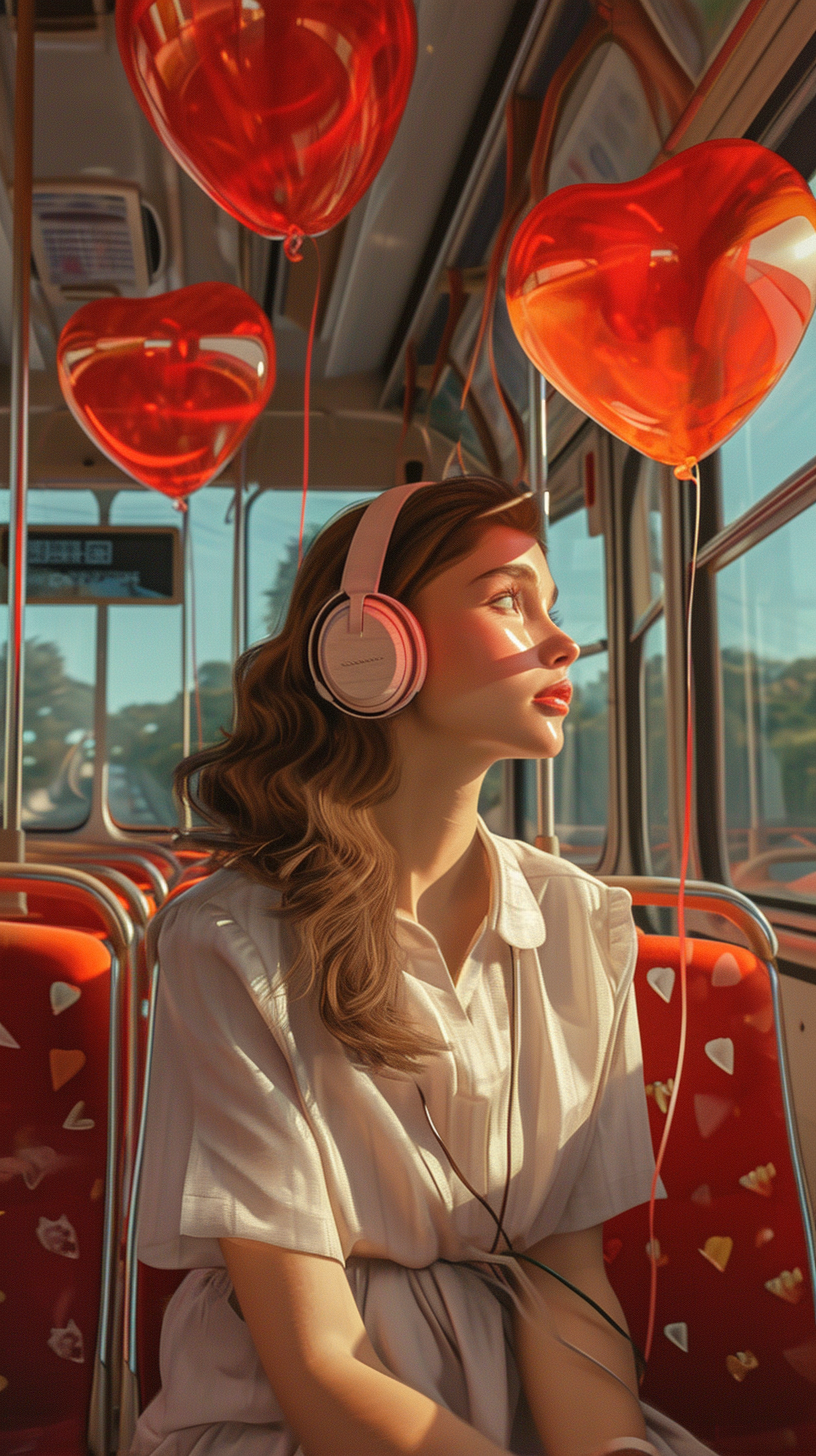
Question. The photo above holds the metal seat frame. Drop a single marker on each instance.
(119, 935)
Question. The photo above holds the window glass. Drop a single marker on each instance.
(778, 438)
(58, 714)
(274, 521)
(60, 669)
(576, 561)
(145, 659)
(654, 727)
(581, 777)
(581, 772)
(766, 604)
(646, 540)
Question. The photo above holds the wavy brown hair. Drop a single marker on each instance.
(287, 794)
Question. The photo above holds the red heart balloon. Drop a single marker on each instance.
(668, 307)
(282, 110)
(168, 386)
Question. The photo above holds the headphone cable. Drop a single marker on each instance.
(498, 1219)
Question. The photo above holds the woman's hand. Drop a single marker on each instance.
(335, 1392)
(578, 1408)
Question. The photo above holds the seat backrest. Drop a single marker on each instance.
(734, 1352)
(144, 873)
(60, 992)
(154, 1290)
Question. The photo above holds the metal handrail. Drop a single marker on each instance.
(117, 922)
(158, 883)
(99, 848)
(704, 895)
(95, 859)
(130, 1371)
(138, 907)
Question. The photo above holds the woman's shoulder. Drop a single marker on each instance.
(225, 913)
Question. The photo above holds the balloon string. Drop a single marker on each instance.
(307, 381)
(694, 474)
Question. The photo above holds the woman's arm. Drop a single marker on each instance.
(577, 1408)
(333, 1389)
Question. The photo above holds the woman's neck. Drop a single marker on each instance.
(430, 822)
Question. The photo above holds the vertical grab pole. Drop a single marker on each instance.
(12, 839)
(186, 817)
(239, 560)
(239, 517)
(546, 837)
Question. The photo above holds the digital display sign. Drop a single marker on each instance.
(99, 565)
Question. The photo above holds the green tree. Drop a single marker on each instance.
(277, 596)
(57, 737)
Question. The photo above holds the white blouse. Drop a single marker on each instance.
(260, 1126)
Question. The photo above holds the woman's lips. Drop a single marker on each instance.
(556, 698)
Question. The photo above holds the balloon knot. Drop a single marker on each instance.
(180, 505)
(293, 245)
(686, 470)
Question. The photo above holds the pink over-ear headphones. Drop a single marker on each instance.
(367, 652)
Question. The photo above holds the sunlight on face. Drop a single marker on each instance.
(497, 662)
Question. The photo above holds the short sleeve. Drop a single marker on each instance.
(229, 1151)
(618, 1168)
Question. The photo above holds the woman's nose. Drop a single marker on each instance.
(557, 649)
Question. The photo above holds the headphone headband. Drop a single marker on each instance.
(366, 554)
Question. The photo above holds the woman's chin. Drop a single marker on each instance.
(551, 738)
(547, 742)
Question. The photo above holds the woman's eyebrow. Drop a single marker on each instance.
(526, 573)
(509, 569)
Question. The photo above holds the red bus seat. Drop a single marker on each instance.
(76, 919)
(60, 990)
(154, 1290)
(734, 1350)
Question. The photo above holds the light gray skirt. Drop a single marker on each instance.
(441, 1330)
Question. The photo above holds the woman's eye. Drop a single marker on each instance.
(555, 617)
(505, 597)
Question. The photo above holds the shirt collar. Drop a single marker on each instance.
(515, 913)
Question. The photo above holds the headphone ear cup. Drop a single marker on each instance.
(370, 674)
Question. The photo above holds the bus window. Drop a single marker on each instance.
(581, 778)
(653, 699)
(646, 554)
(779, 437)
(273, 520)
(649, 631)
(145, 660)
(766, 607)
(60, 669)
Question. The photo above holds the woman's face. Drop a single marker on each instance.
(497, 662)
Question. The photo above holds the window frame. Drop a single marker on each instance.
(777, 509)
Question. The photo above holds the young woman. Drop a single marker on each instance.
(393, 1052)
